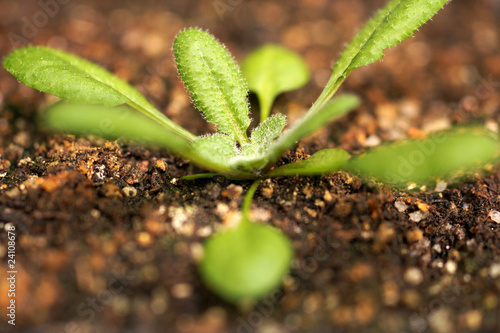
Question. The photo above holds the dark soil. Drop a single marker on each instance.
(108, 235)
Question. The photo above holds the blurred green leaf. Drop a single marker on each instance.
(271, 70)
(442, 155)
(125, 123)
(79, 81)
(246, 263)
(322, 162)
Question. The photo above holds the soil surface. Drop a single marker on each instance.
(108, 235)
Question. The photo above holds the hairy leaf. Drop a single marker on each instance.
(322, 162)
(442, 155)
(271, 70)
(77, 80)
(264, 134)
(394, 23)
(125, 123)
(246, 263)
(219, 148)
(305, 126)
(214, 81)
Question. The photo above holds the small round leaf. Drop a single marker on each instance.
(271, 70)
(247, 262)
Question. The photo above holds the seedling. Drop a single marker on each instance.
(246, 262)
(219, 91)
(249, 261)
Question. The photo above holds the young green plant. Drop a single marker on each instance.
(247, 262)
(219, 91)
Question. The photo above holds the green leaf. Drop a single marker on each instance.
(321, 162)
(394, 23)
(246, 263)
(77, 80)
(305, 126)
(214, 81)
(308, 124)
(124, 122)
(219, 148)
(264, 134)
(271, 70)
(440, 156)
(313, 121)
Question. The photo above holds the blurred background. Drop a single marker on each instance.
(448, 73)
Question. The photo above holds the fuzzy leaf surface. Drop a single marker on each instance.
(263, 136)
(218, 148)
(76, 80)
(271, 70)
(214, 81)
(305, 126)
(440, 156)
(322, 162)
(394, 23)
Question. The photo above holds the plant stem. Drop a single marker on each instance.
(265, 108)
(247, 202)
(330, 89)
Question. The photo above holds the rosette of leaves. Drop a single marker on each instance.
(96, 101)
(249, 261)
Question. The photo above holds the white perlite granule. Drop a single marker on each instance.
(417, 216)
(495, 215)
(400, 206)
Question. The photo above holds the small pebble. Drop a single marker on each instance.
(439, 321)
(438, 124)
(414, 235)
(267, 192)
(451, 267)
(492, 126)
(495, 215)
(372, 141)
(182, 290)
(413, 276)
(400, 206)
(95, 213)
(162, 165)
(473, 319)
(437, 248)
(440, 186)
(423, 207)
(417, 216)
(494, 270)
(196, 250)
(204, 231)
(232, 191)
(144, 238)
(310, 211)
(129, 191)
